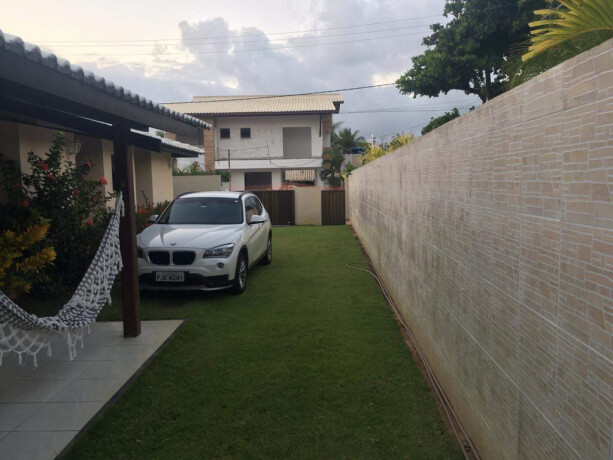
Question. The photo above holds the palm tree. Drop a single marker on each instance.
(343, 142)
(561, 33)
(332, 163)
(580, 25)
(346, 140)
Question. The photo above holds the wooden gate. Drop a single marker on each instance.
(332, 207)
(279, 204)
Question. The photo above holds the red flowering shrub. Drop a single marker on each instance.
(146, 210)
(57, 189)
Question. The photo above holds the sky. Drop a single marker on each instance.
(174, 50)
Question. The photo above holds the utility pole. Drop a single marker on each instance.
(372, 141)
(229, 172)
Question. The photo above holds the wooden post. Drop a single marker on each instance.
(124, 172)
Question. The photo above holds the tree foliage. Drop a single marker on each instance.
(373, 152)
(399, 140)
(343, 142)
(349, 168)
(377, 151)
(435, 122)
(469, 52)
(571, 28)
(345, 139)
(332, 164)
(578, 22)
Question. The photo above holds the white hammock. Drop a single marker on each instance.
(27, 334)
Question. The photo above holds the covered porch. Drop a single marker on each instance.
(42, 408)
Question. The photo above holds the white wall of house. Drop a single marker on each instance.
(238, 178)
(161, 173)
(185, 184)
(266, 136)
(152, 176)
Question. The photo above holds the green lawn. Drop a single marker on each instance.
(308, 363)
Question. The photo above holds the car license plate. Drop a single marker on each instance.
(170, 277)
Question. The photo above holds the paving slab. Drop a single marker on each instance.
(42, 409)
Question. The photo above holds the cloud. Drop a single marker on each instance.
(215, 61)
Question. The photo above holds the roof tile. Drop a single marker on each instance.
(32, 52)
(315, 103)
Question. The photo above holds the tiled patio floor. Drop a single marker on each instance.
(43, 408)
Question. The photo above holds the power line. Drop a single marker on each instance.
(272, 96)
(426, 106)
(399, 110)
(245, 50)
(245, 35)
(240, 42)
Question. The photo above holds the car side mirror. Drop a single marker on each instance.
(153, 219)
(257, 219)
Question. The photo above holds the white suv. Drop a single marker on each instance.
(205, 241)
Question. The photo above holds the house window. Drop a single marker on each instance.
(224, 133)
(245, 133)
(297, 142)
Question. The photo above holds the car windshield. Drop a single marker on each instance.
(204, 211)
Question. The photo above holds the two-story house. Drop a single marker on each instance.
(264, 141)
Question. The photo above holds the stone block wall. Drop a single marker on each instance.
(494, 234)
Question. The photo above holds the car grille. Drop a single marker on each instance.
(159, 257)
(183, 257)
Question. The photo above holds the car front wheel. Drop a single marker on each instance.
(240, 275)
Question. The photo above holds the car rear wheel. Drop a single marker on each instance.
(240, 275)
(267, 259)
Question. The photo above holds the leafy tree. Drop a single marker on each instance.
(435, 122)
(468, 53)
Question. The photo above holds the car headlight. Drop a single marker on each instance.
(139, 253)
(223, 251)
